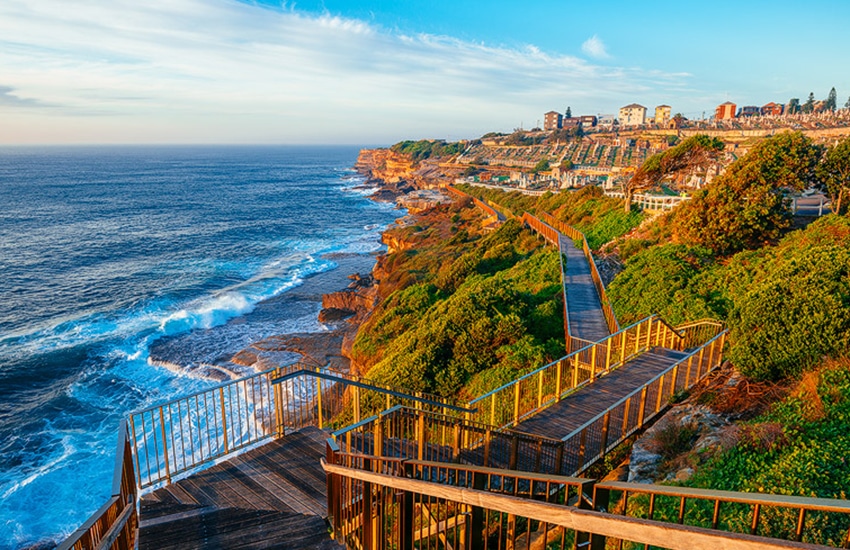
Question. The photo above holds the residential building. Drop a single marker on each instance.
(725, 111)
(632, 115)
(570, 122)
(552, 121)
(588, 121)
(772, 109)
(662, 115)
(750, 110)
(606, 121)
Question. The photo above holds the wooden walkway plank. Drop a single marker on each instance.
(587, 321)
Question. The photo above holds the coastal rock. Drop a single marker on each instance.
(685, 429)
(385, 165)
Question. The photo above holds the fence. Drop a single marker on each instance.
(393, 503)
(551, 235)
(115, 524)
(511, 403)
(801, 519)
(612, 426)
(492, 215)
(652, 202)
(174, 438)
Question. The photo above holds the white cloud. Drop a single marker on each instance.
(594, 47)
(224, 71)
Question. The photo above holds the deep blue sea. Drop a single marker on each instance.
(104, 250)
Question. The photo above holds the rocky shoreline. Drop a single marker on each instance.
(343, 311)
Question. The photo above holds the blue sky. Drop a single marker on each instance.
(332, 71)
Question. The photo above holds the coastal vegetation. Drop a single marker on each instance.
(427, 148)
(464, 313)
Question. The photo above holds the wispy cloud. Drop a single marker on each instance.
(8, 97)
(221, 70)
(595, 48)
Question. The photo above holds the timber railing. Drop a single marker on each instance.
(509, 404)
(610, 427)
(115, 524)
(401, 503)
(808, 520)
(550, 234)
(176, 437)
(576, 235)
(492, 214)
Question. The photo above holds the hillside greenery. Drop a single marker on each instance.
(467, 311)
(427, 148)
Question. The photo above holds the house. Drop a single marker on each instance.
(772, 109)
(725, 111)
(570, 122)
(588, 121)
(662, 115)
(676, 122)
(750, 110)
(606, 121)
(632, 115)
(552, 121)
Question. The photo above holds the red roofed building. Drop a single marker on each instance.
(725, 111)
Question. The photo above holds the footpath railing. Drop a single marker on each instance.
(652, 202)
(115, 524)
(509, 404)
(609, 428)
(179, 436)
(489, 211)
(576, 235)
(403, 503)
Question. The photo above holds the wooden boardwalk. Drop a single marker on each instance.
(274, 496)
(585, 310)
(575, 410)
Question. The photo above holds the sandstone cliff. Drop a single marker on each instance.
(385, 165)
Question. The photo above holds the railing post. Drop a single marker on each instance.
(642, 407)
(493, 409)
(575, 371)
(601, 500)
(608, 355)
(407, 518)
(223, 419)
(606, 420)
(540, 389)
(593, 363)
(558, 372)
(660, 393)
(165, 445)
(477, 536)
(356, 398)
(277, 392)
(516, 403)
(420, 436)
(637, 337)
(319, 400)
(379, 437)
(623, 347)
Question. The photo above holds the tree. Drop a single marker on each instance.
(847, 105)
(569, 113)
(831, 100)
(541, 166)
(834, 173)
(794, 105)
(809, 105)
(694, 152)
(746, 207)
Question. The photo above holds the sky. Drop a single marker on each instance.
(376, 71)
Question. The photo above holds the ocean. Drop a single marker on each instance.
(106, 252)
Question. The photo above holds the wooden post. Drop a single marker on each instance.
(379, 437)
(223, 421)
(319, 400)
(516, 403)
(540, 389)
(406, 519)
(660, 393)
(637, 337)
(477, 536)
(582, 447)
(558, 373)
(356, 398)
(493, 409)
(649, 335)
(601, 501)
(420, 436)
(366, 519)
(623, 348)
(277, 392)
(608, 354)
(625, 427)
(642, 408)
(593, 363)
(512, 461)
(606, 420)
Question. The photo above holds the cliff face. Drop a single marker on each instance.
(385, 165)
